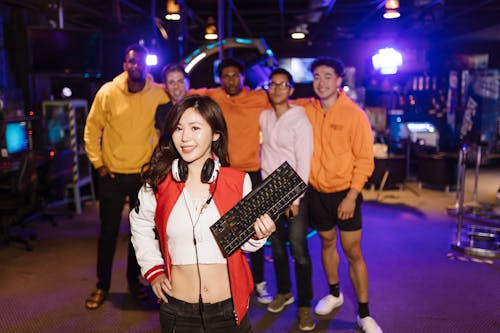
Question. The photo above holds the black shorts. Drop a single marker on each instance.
(323, 207)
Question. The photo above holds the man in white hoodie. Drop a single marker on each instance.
(119, 139)
(287, 135)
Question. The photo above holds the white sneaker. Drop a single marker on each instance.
(328, 303)
(369, 325)
(263, 296)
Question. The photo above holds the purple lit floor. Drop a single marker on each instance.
(417, 284)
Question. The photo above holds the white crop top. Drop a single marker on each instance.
(186, 219)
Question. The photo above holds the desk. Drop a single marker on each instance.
(10, 168)
(438, 170)
(394, 166)
(7, 167)
(7, 172)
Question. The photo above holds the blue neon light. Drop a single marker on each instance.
(211, 46)
(243, 41)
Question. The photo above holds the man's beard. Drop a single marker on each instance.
(139, 79)
(233, 92)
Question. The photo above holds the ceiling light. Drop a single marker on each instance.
(66, 92)
(391, 14)
(173, 11)
(387, 61)
(151, 60)
(392, 4)
(173, 16)
(211, 29)
(391, 9)
(298, 35)
(299, 32)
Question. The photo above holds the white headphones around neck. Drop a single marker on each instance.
(209, 172)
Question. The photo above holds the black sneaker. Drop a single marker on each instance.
(138, 290)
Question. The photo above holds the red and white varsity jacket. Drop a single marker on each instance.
(153, 257)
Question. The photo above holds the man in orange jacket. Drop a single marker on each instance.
(341, 163)
(242, 107)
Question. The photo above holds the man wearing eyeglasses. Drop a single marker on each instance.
(287, 136)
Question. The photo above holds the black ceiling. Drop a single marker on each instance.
(327, 20)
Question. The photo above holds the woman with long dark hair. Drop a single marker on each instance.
(188, 186)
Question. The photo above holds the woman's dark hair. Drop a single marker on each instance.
(154, 172)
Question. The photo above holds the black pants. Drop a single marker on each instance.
(295, 230)
(112, 196)
(257, 257)
(182, 317)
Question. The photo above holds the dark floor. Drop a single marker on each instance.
(417, 284)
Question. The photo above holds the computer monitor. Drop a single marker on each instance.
(16, 137)
(300, 68)
(57, 127)
(423, 133)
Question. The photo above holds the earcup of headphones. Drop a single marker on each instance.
(179, 170)
(210, 170)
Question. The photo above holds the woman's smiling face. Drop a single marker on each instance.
(193, 137)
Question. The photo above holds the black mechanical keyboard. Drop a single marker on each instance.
(273, 196)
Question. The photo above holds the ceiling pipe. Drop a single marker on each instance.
(240, 19)
(282, 19)
(370, 14)
(466, 11)
(60, 14)
(324, 16)
(229, 24)
(135, 7)
(220, 26)
(183, 28)
(229, 30)
(117, 12)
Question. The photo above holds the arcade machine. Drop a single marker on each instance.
(478, 224)
(254, 52)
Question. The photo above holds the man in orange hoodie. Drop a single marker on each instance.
(341, 163)
(242, 107)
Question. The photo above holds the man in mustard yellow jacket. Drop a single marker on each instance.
(119, 139)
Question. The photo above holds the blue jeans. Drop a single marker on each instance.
(295, 230)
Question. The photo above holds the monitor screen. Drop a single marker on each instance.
(420, 127)
(299, 68)
(16, 137)
(58, 135)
